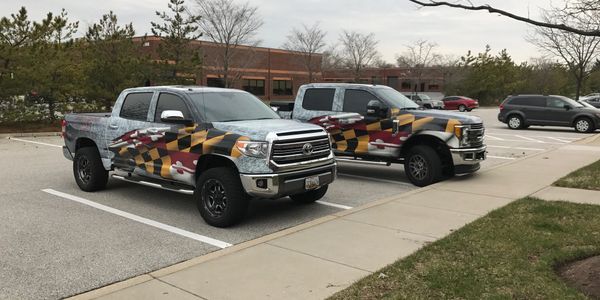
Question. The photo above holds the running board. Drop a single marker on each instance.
(154, 185)
(364, 162)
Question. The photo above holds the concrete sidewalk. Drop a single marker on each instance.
(317, 259)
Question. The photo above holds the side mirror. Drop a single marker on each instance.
(174, 117)
(375, 109)
(567, 107)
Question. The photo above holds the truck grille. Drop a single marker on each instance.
(475, 135)
(300, 150)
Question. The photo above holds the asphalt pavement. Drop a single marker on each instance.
(58, 241)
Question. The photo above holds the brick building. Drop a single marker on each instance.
(270, 74)
(276, 74)
(401, 79)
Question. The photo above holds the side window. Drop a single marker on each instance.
(136, 106)
(555, 103)
(318, 99)
(528, 101)
(356, 101)
(168, 101)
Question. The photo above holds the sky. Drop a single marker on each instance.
(395, 23)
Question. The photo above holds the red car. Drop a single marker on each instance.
(461, 103)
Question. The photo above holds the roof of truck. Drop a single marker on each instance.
(337, 84)
(181, 88)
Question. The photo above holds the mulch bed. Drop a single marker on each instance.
(583, 275)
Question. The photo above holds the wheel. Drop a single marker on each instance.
(584, 125)
(427, 106)
(422, 166)
(220, 197)
(310, 196)
(88, 170)
(515, 122)
(462, 108)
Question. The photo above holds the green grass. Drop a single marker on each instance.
(510, 253)
(585, 178)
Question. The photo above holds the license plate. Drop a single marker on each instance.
(311, 183)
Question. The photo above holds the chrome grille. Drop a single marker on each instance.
(294, 150)
(474, 135)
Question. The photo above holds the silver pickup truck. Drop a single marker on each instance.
(375, 123)
(222, 146)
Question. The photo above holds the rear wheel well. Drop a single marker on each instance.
(84, 142)
(211, 161)
(437, 145)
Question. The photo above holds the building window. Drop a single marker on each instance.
(215, 82)
(392, 81)
(146, 44)
(406, 85)
(282, 87)
(254, 86)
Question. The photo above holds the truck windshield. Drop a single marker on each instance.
(396, 99)
(228, 106)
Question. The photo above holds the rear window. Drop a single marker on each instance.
(318, 99)
(528, 101)
(136, 106)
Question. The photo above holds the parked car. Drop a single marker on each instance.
(222, 146)
(461, 103)
(522, 111)
(592, 100)
(373, 123)
(425, 101)
(586, 104)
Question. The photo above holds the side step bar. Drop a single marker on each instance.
(364, 162)
(152, 184)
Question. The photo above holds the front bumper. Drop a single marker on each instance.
(289, 183)
(466, 160)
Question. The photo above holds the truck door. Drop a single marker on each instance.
(364, 136)
(129, 115)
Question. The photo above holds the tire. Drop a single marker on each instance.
(462, 108)
(584, 125)
(427, 106)
(423, 166)
(220, 197)
(515, 122)
(310, 196)
(88, 170)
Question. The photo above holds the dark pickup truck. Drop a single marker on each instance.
(378, 123)
(222, 146)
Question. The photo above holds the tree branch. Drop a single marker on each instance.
(492, 10)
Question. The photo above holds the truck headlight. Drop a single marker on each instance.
(460, 131)
(253, 149)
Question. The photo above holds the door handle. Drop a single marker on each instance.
(113, 126)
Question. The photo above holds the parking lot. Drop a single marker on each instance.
(58, 241)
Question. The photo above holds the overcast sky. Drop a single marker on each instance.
(394, 22)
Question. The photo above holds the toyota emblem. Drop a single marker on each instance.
(307, 149)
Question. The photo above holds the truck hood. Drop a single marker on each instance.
(258, 129)
(444, 115)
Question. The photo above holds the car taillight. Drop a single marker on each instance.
(501, 106)
(63, 125)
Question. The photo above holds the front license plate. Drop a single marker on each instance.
(311, 183)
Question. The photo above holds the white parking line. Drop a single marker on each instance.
(559, 140)
(374, 179)
(34, 142)
(537, 142)
(529, 139)
(516, 148)
(142, 220)
(501, 157)
(334, 205)
(537, 136)
(487, 136)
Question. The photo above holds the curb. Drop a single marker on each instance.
(114, 287)
(29, 134)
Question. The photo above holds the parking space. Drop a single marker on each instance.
(58, 241)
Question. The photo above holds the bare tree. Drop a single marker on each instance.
(309, 42)
(576, 7)
(577, 51)
(359, 51)
(417, 57)
(332, 58)
(228, 25)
